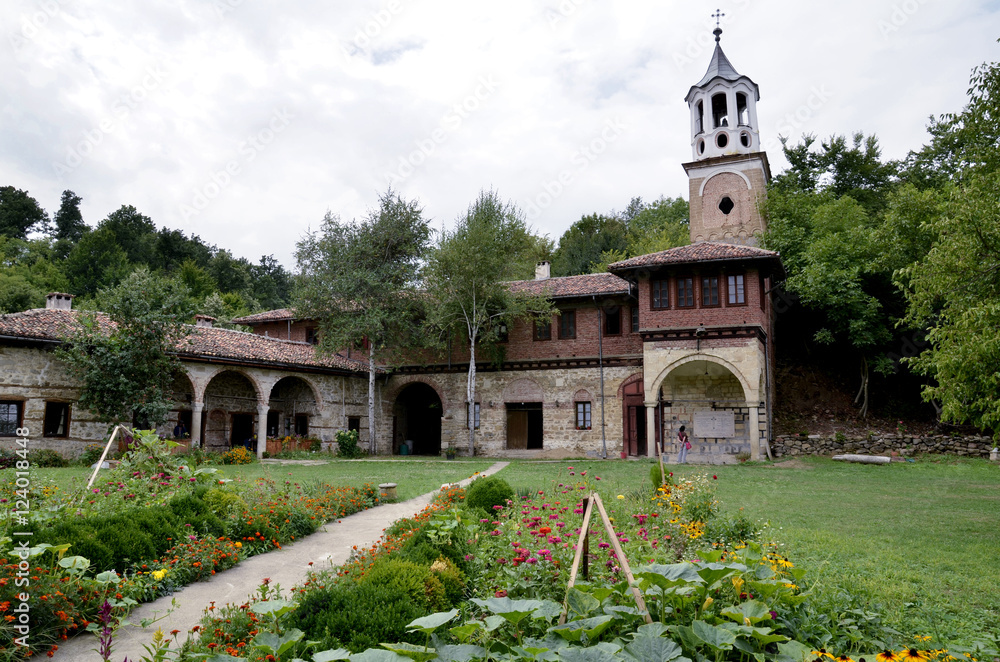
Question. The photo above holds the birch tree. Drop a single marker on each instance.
(466, 281)
(358, 279)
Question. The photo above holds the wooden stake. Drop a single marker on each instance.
(581, 553)
(103, 455)
(639, 602)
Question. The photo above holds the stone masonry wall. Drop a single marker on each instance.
(792, 445)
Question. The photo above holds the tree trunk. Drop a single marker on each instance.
(372, 450)
(470, 393)
(862, 395)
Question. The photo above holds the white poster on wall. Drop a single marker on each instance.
(714, 424)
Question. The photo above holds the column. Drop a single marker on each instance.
(262, 409)
(197, 407)
(651, 428)
(754, 425)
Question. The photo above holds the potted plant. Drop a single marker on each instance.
(450, 452)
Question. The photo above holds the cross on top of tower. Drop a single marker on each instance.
(718, 21)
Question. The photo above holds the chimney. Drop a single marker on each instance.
(58, 301)
(542, 270)
(203, 321)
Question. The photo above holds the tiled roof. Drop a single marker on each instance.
(564, 287)
(703, 251)
(202, 342)
(279, 315)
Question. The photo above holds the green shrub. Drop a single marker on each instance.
(7, 458)
(223, 502)
(422, 550)
(656, 476)
(128, 546)
(46, 457)
(420, 584)
(91, 454)
(357, 616)
(484, 493)
(347, 444)
(451, 579)
(190, 509)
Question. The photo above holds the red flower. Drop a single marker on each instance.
(501, 593)
(715, 478)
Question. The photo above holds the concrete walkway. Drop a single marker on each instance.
(331, 545)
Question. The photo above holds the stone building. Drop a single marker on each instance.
(680, 337)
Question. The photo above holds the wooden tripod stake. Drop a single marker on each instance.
(104, 454)
(582, 552)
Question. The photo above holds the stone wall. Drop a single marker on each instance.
(791, 445)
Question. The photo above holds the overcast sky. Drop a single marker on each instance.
(244, 121)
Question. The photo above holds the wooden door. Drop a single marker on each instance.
(517, 429)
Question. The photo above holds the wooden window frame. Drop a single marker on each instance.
(567, 316)
(729, 291)
(304, 419)
(634, 318)
(312, 335)
(19, 413)
(680, 303)
(663, 285)
(45, 420)
(537, 334)
(706, 289)
(584, 415)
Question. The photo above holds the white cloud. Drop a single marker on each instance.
(184, 90)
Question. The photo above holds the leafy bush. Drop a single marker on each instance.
(91, 454)
(422, 586)
(657, 478)
(347, 445)
(484, 493)
(357, 616)
(238, 455)
(46, 457)
(194, 512)
(222, 502)
(7, 459)
(451, 579)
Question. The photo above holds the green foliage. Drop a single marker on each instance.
(484, 493)
(421, 586)
(656, 476)
(126, 369)
(68, 220)
(195, 513)
(46, 457)
(582, 245)
(19, 213)
(223, 502)
(347, 444)
(96, 262)
(357, 616)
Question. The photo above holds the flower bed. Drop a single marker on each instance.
(150, 527)
(713, 589)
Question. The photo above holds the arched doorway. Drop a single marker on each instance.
(293, 408)
(231, 400)
(417, 419)
(634, 417)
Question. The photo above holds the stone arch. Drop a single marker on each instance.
(290, 397)
(704, 183)
(400, 383)
(523, 390)
(417, 411)
(652, 390)
(628, 381)
(583, 395)
(232, 399)
(202, 388)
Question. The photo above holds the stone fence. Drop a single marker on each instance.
(814, 444)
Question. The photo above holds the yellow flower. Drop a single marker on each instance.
(158, 574)
(886, 656)
(621, 496)
(912, 655)
(737, 583)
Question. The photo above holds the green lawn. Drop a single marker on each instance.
(918, 541)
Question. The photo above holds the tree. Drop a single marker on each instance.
(231, 273)
(359, 279)
(271, 284)
(466, 280)
(28, 271)
(68, 220)
(20, 213)
(96, 262)
(955, 289)
(125, 361)
(134, 232)
(581, 246)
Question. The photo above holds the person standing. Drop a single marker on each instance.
(685, 444)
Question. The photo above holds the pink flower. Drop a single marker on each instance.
(501, 594)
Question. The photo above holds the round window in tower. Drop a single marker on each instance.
(745, 139)
(722, 140)
(726, 205)
(701, 146)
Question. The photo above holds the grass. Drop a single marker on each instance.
(413, 477)
(917, 542)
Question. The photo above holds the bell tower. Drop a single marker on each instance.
(729, 174)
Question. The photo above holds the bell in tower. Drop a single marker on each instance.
(729, 173)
